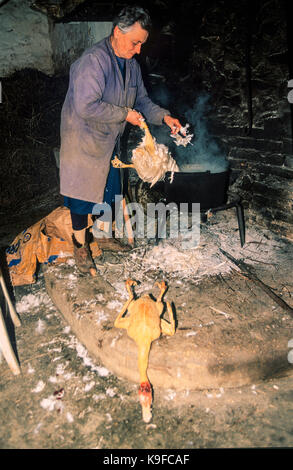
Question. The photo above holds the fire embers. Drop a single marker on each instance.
(145, 397)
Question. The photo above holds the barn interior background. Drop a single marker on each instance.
(223, 67)
(236, 56)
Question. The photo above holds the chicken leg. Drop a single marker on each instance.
(149, 141)
(116, 163)
(124, 322)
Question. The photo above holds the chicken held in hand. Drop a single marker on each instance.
(150, 159)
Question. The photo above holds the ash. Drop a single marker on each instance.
(168, 258)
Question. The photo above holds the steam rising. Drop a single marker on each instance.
(204, 153)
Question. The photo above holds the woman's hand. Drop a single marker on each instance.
(173, 123)
(134, 117)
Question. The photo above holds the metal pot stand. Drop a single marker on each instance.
(207, 213)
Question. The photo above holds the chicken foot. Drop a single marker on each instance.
(116, 163)
(167, 328)
(124, 322)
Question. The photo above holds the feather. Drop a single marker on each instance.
(152, 160)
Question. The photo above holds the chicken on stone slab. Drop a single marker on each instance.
(144, 325)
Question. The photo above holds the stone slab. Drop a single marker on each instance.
(209, 349)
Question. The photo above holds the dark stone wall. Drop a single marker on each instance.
(29, 122)
(240, 57)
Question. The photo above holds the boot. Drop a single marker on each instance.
(111, 244)
(83, 258)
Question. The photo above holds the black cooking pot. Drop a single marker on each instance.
(208, 189)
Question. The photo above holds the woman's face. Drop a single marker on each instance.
(126, 45)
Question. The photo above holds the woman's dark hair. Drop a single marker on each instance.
(130, 15)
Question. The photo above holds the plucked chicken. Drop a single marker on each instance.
(150, 159)
(144, 325)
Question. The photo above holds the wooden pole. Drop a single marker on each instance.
(6, 348)
(128, 226)
(12, 310)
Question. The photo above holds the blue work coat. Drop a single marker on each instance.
(93, 118)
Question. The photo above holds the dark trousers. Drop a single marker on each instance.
(79, 221)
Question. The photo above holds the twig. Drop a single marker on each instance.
(262, 262)
(35, 140)
(30, 359)
(226, 315)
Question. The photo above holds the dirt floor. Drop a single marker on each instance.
(65, 399)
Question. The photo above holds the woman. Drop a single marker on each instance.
(105, 91)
